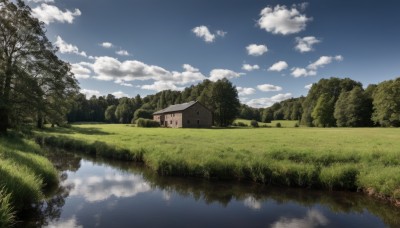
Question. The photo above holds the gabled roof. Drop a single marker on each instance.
(176, 108)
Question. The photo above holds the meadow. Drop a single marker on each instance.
(25, 176)
(362, 159)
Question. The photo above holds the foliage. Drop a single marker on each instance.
(35, 85)
(124, 111)
(278, 124)
(332, 87)
(109, 114)
(353, 109)
(386, 101)
(147, 123)
(254, 123)
(323, 111)
(142, 113)
(225, 102)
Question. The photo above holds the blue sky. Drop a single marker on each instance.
(271, 50)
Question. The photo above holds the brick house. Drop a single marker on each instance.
(192, 114)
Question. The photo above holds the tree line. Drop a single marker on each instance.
(221, 97)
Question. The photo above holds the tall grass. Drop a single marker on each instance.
(366, 159)
(7, 214)
(24, 176)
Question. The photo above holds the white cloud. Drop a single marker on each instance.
(161, 85)
(64, 47)
(281, 20)
(123, 83)
(38, 1)
(268, 101)
(324, 60)
(203, 32)
(217, 74)
(80, 71)
(252, 203)
(298, 72)
(49, 13)
(305, 44)
(243, 91)
(312, 68)
(106, 45)
(278, 66)
(122, 52)
(69, 223)
(269, 87)
(249, 67)
(308, 86)
(256, 50)
(119, 94)
(313, 218)
(89, 93)
(98, 188)
(221, 33)
(108, 68)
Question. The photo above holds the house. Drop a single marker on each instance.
(186, 115)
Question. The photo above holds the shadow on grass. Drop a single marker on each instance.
(78, 130)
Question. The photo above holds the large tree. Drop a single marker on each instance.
(225, 101)
(34, 83)
(386, 100)
(323, 111)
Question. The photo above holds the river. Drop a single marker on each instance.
(101, 193)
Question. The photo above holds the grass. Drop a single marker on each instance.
(25, 175)
(365, 159)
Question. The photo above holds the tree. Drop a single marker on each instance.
(225, 101)
(124, 111)
(386, 101)
(34, 83)
(110, 114)
(267, 115)
(333, 87)
(353, 109)
(142, 113)
(323, 111)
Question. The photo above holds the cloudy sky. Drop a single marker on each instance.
(271, 50)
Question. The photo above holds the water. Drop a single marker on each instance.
(99, 193)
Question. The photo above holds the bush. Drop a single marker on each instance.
(278, 124)
(147, 123)
(142, 113)
(296, 125)
(241, 124)
(254, 123)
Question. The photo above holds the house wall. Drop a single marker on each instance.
(197, 116)
(173, 119)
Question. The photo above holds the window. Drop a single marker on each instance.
(176, 122)
(198, 121)
(198, 112)
(170, 122)
(188, 121)
(173, 114)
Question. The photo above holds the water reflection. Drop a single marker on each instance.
(99, 193)
(313, 218)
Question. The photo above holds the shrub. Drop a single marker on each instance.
(278, 124)
(241, 124)
(147, 123)
(296, 125)
(254, 123)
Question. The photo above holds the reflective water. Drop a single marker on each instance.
(98, 193)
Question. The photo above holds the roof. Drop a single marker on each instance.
(176, 108)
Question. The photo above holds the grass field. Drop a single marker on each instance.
(24, 175)
(365, 159)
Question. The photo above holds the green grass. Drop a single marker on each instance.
(330, 158)
(25, 175)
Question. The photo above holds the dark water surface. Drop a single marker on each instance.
(99, 193)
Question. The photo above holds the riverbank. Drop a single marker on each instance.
(352, 159)
(25, 176)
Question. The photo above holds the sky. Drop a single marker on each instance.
(270, 50)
